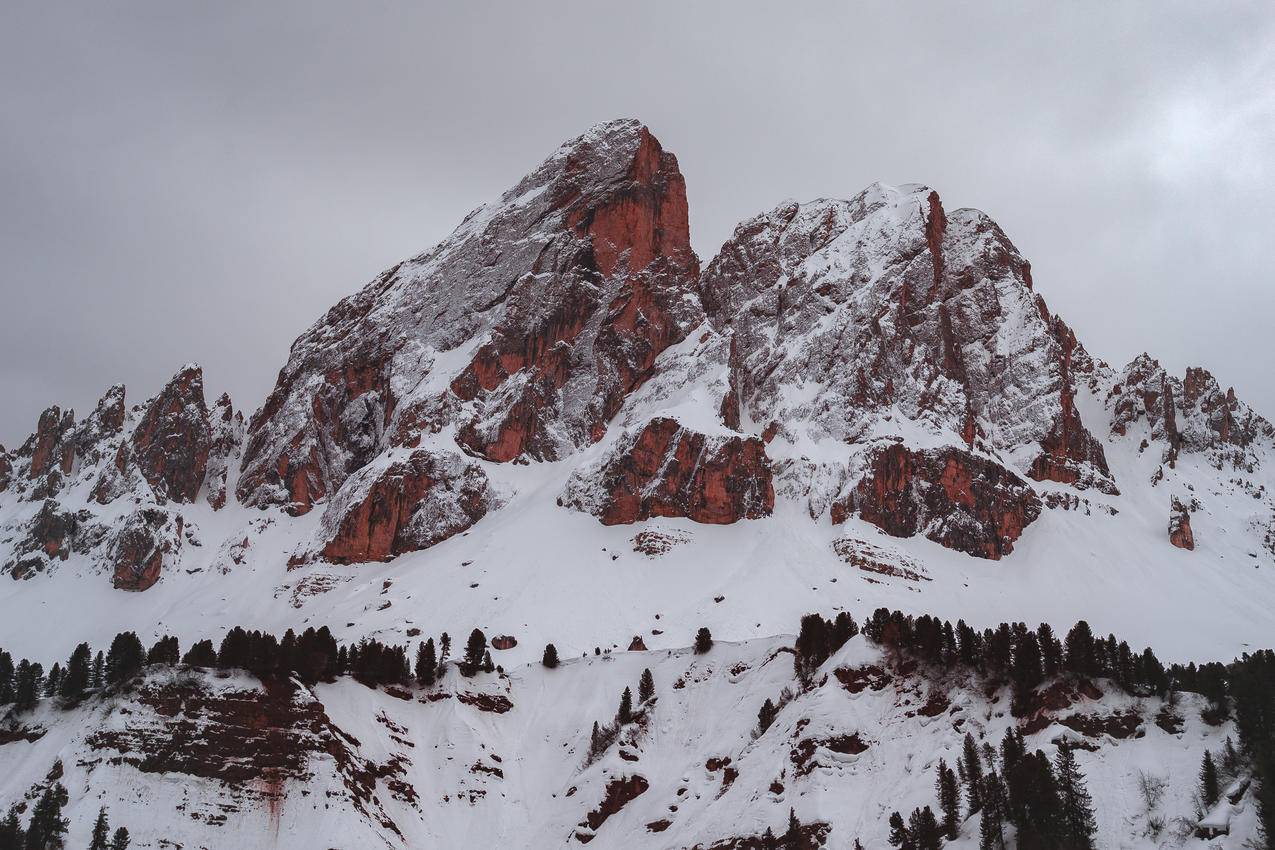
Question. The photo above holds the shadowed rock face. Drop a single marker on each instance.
(670, 471)
(957, 499)
(565, 291)
(172, 440)
(409, 505)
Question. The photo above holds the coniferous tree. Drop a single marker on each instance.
(47, 828)
(625, 712)
(78, 670)
(54, 680)
(1230, 757)
(120, 840)
(474, 649)
(444, 652)
(12, 836)
(768, 841)
(97, 679)
(1209, 792)
(899, 835)
(1076, 820)
(124, 660)
(766, 716)
(165, 651)
(201, 654)
(703, 640)
(924, 829)
(426, 663)
(646, 687)
(101, 832)
(1079, 647)
(597, 742)
(488, 666)
(27, 680)
(550, 658)
(972, 767)
(6, 678)
(949, 792)
(812, 647)
(792, 835)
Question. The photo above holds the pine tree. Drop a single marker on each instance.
(6, 678)
(1076, 820)
(78, 669)
(703, 640)
(101, 832)
(899, 836)
(646, 687)
(596, 742)
(766, 716)
(426, 663)
(625, 712)
(768, 841)
(550, 658)
(12, 836)
(792, 835)
(924, 829)
(97, 679)
(1209, 792)
(949, 792)
(444, 652)
(488, 666)
(474, 649)
(48, 827)
(120, 840)
(201, 654)
(125, 658)
(26, 685)
(972, 766)
(1230, 757)
(54, 680)
(991, 831)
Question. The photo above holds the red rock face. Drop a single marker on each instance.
(960, 500)
(566, 290)
(1180, 534)
(171, 442)
(51, 446)
(412, 504)
(149, 538)
(637, 234)
(669, 471)
(1070, 454)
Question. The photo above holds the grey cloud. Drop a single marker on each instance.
(201, 183)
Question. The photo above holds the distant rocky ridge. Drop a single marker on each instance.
(880, 357)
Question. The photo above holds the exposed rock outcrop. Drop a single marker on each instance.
(666, 470)
(1192, 414)
(847, 314)
(149, 539)
(409, 504)
(527, 327)
(955, 498)
(1180, 534)
(171, 442)
(226, 432)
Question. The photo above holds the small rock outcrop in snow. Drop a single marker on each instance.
(665, 470)
(407, 505)
(953, 497)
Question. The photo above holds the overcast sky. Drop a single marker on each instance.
(200, 182)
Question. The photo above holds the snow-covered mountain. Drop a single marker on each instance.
(557, 427)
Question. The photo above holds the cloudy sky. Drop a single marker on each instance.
(200, 182)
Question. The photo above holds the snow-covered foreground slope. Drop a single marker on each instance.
(193, 759)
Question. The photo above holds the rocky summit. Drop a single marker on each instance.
(558, 426)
